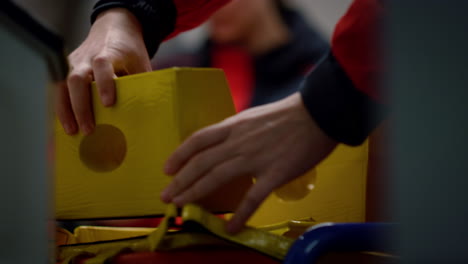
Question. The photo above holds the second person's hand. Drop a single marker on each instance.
(113, 47)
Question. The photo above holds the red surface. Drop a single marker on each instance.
(198, 256)
(237, 64)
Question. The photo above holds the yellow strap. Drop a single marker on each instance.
(148, 243)
(270, 244)
(104, 256)
(162, 238)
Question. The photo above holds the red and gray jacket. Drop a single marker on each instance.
(341, 94)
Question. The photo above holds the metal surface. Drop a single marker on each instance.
(427, 55)
(353, 237)
(24, 174)
(31, 58)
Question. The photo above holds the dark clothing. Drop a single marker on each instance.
(342, 94)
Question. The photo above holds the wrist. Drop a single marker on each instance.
(295, 105)
(119, 18)
(297, 112)
(156, 18)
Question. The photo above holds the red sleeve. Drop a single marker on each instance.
(192, 13)
(341, 93)
(356, 46)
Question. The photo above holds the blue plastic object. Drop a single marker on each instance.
(328, 237)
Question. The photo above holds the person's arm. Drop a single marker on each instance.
(342, 94)
(123, 37)
(163, 19)
(278, 142)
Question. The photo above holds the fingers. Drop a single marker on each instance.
(79, 90)
(188, 187)
(199, 141)
(199, 165)
(252, 200)
(102, 55)
(64, 110)
(103, 75)
(74, 106)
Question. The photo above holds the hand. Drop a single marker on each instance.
(274, 143)
(114, 47)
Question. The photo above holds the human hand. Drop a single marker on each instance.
(274, 143)
(114, 47)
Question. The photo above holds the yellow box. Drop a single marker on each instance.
(335, 191)
(118, 170)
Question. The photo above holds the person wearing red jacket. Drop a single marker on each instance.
(275, 143)
(264, 47)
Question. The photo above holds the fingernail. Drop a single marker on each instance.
(165, 197)
(167, 169)
(106, 100)
(230, 228)
(178, 201)
(69, 129)
(87, 129)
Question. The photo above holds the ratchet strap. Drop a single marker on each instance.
(199, 228)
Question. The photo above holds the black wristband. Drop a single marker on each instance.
(157, 18)
(340, 110)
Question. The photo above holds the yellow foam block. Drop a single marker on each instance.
(117, 171)
(333, 192)
(90, 234)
